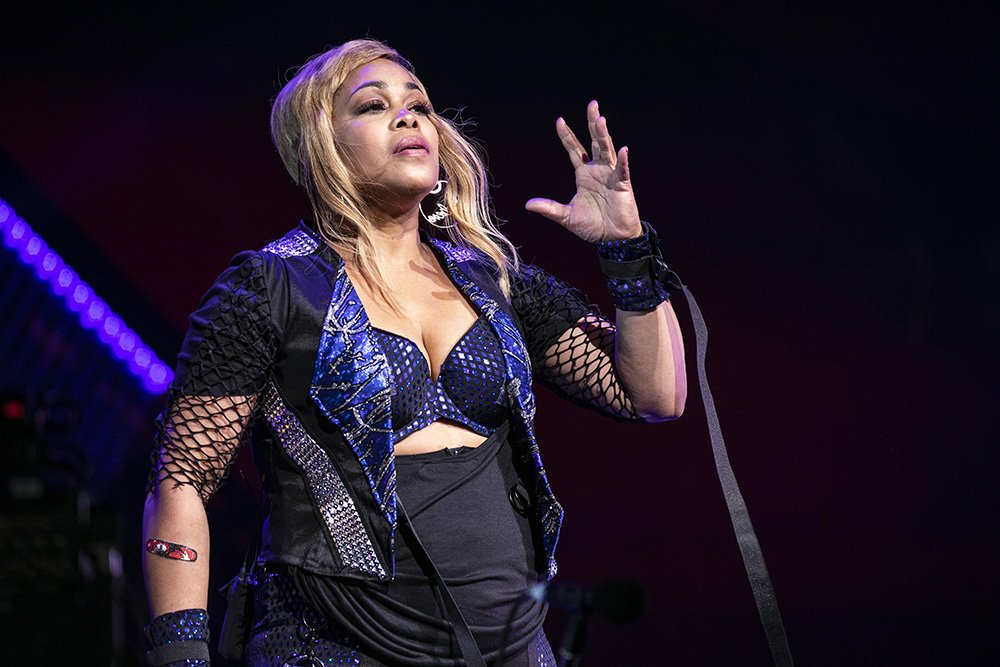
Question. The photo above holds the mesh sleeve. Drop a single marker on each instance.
(222, 367)
(570, 343)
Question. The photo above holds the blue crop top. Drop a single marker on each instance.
(469, 388)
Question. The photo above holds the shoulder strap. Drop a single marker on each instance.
(466, 642)
(753, 558)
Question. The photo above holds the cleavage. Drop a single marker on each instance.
(424, 356)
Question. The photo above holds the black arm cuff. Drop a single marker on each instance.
(637, 276)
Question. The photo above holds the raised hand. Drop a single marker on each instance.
(603, 208)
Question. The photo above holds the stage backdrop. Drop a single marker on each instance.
(821, 180)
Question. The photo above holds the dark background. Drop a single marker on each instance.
(824, 180)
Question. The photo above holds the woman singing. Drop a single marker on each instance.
(383, 353)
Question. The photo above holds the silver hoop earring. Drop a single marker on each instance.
(442, 212)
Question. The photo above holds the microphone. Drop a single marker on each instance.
(619, 601)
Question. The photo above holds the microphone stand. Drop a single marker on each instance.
(574, 637)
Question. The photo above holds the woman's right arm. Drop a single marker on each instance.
(199, 438)
(223, 366)
(175, 516)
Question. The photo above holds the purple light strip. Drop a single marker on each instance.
(79, 298)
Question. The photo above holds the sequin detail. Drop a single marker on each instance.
(351, 387)
(178, 626)
(520, 397)
(295, 243)
(330, 495)
(469, 389)
(457, 253)
(544, 656)
(286, 628)
(640, 292)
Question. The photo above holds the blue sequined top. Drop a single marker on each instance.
(468, 390)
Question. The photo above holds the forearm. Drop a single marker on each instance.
(177, 515)
(649, 348)
(649, 361)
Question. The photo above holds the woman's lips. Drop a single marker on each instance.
(411, 146)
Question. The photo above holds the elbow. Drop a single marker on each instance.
(652, 417)
(668, 407)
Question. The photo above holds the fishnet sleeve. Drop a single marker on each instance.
(222, 367)
(570, 343)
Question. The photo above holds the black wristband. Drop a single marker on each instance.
(179, 637)
(189, 649)
(637, 277)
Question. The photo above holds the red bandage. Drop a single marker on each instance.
(170, 550)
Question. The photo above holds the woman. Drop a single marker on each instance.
(387, 368)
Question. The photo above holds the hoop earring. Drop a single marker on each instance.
(442, 212)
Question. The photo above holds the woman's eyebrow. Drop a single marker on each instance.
(382, 85)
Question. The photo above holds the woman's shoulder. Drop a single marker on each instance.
(300, 241)
(269, 264)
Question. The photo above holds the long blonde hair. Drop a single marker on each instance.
(303, 132)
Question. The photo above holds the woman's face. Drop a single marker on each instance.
(381, 120)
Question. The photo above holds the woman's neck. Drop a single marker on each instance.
(397, 241)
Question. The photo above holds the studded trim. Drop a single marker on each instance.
(351, 387)
(336, 507)
(295, 243)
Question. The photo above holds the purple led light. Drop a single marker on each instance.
(152, 382)
(93, 316)
(14, 233)
(50, 262)
(36, 253)
(158, 373)
(62, 280)
(96, 310)
(126, 343)
(142, 356)
(78, 297)
(112, 327)
(33, 247)
(17, 231)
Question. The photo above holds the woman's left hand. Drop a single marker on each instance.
(603, 208)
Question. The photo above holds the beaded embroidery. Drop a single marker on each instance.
(340, 516)
(351, 387)
(296, 243)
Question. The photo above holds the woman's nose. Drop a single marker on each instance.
(406, 118)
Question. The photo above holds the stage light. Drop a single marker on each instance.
(49, 264)
(79, 298)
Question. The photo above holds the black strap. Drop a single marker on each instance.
(633, 268)
(753, 559)
(190, 649)
(466, 642)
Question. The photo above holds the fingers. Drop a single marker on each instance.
(621, 171)
(577, 155)
(593, 115)
(602, 149)
(552, 210)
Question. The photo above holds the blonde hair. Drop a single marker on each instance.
(303, 132)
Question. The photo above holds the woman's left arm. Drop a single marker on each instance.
(649, 348)
(649, 359)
